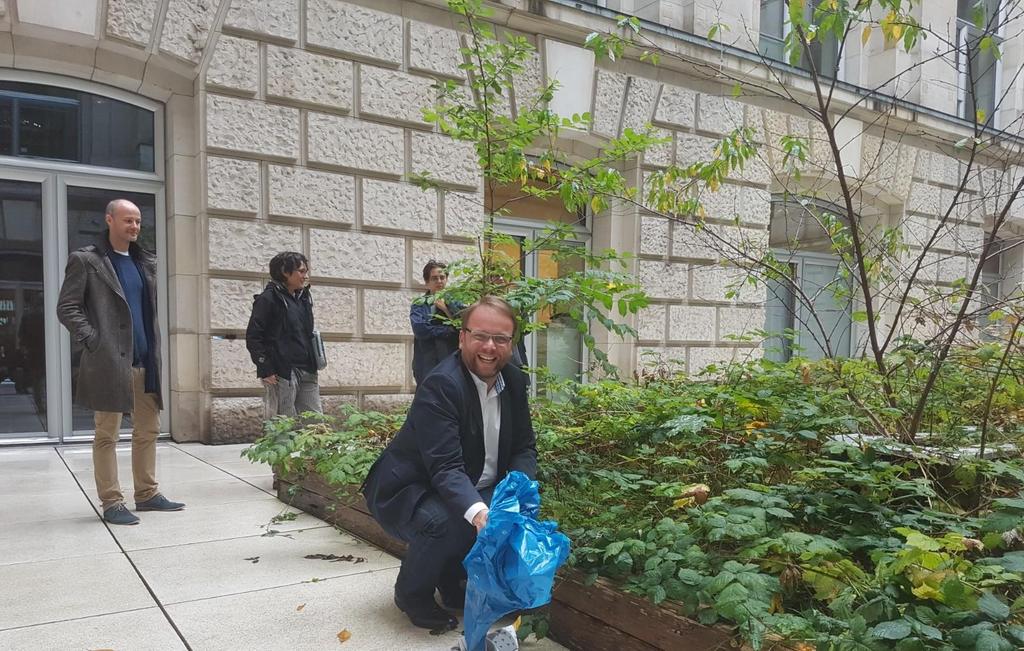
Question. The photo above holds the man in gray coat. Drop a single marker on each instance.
(108, 304)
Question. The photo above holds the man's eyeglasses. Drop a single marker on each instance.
(483, 337)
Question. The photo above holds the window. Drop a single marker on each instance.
(61, 124)
(808, 312)
(775, 27)
(979, 36)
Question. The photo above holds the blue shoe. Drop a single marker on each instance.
(119, 514)
(158, 503)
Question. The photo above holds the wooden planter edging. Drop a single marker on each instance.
(597, 617)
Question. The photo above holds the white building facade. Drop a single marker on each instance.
(247, 127)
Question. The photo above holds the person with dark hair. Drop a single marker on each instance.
(435, 337)
(108, 303)
(468, 427)
(279, 338)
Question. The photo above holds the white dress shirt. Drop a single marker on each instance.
(490, 409)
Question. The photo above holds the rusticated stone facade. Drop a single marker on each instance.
(296, 124)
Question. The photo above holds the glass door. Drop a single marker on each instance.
(44, 215)
(559, 345)
(23, 350)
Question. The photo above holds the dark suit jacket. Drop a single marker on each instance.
(440, 448)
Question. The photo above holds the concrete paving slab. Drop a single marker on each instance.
(265, 484)
(14, 467)
(164, 475)
(68, 588)
(46, 506)
(42, 541)
(8, 455)
(244, 468)
(189, 572)
(80, 458)
(135, 629)
(204, 523)
(195, 493)
(17, 487)
(213, 453)
(307, 616)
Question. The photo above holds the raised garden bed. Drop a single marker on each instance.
(595, 617)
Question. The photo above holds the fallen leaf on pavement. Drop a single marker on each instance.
(301, 606)
(348, 558)
(344, 636)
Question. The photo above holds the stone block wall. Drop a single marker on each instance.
(312, 131)
(691, 321)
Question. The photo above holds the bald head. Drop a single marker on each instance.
(124, 221)
(120, 204)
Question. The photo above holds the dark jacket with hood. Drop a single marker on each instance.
(279, 331)
(93, 307)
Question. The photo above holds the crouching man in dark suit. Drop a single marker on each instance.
(468, 426)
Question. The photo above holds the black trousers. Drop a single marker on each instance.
(438, 541)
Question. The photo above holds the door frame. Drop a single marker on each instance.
(529, 229)
(54, 180)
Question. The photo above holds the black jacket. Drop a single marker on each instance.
(440, 448)
(279, 331)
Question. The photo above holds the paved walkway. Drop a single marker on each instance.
(209, 577)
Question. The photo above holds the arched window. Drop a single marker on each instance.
(69, 125)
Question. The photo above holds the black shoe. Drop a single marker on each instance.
(158, 503)
(426, 614)
(453, 597)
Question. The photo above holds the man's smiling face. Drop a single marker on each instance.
(481, 355)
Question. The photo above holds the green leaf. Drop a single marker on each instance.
(993, 607)
(896, 629)
(991, 641)
(1010, 561)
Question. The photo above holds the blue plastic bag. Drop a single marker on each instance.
(513, 562)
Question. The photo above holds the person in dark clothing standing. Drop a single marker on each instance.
(280, 339)
(435, 338)
(108, 303)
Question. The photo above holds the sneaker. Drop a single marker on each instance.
(158, 503)
(119, 514)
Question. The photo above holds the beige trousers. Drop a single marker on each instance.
(146, 428)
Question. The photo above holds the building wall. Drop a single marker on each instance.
(294, 124)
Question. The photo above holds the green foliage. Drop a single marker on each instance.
(758, 498)
(518, 154)
(341, 450)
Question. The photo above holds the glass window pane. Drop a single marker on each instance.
(22, 339)
(48, 130)
(821, 281)
(6, 127)
(559, 344)
(70, 125)
(772, 17)
(968, 10)
(770, 43)
(780, 311)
